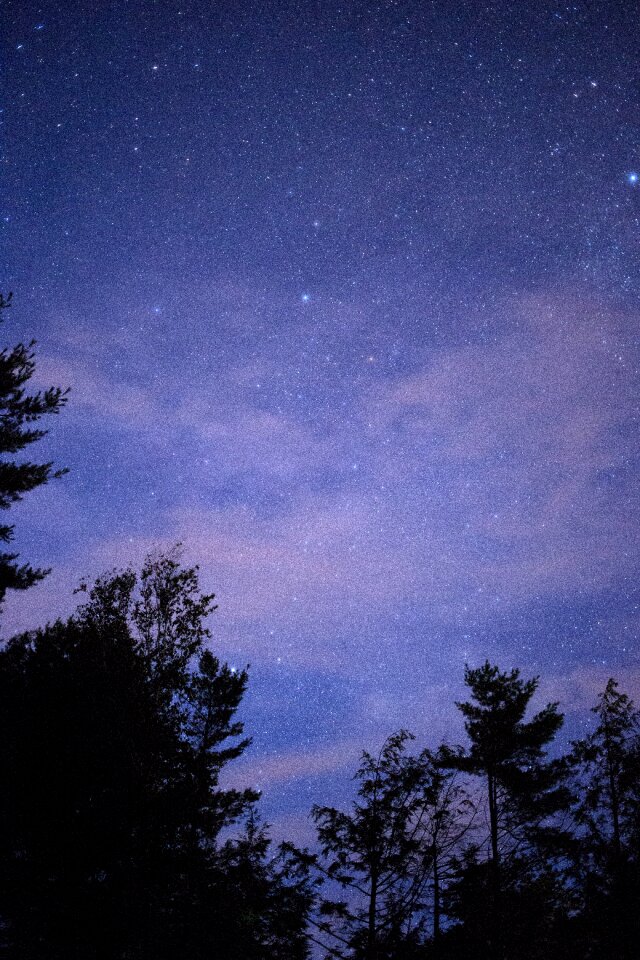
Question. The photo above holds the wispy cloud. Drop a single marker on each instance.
(489, 475)
(301, 764)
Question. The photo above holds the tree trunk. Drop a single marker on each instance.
(436, 901)
(613, 799)
(493, 821)
(372, 947)
(496, 932)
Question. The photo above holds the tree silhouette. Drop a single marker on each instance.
(269, 898)
(374, 855)
(522, 790)
(605, 764)
(116, 727)
(19, 412)
(118, 840)
(447, 820)
(606, 768)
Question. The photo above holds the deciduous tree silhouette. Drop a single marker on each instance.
(116, 727)
(374, 856)
(447, 821)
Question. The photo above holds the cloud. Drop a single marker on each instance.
(577, 690)
(489, 475)
(380, 527)
(94, 394)
(515, 441)
(300, 764)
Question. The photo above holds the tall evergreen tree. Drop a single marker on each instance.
(268, 896)
(19, 412)
(606, 768)
(605, 765)
(522, 789)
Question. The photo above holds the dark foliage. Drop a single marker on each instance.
(388, 859)
(118, 841)
(523, 791)
(116, 726)
(19, 414)
(491, 851)
(372, 856)
(606, 771)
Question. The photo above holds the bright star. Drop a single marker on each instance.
(632, 177)
(305, 297)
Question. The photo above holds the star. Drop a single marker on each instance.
(306, 297)
(632, 178)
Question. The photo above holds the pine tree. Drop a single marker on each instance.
(523, 790)
(267, 895)
(19, 412)
(605, 764)
(606, 768)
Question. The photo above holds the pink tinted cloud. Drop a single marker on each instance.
(315, 568)
(578, 689)
(302, 763)
(477, 482)
(523, 428)
(94, 393)
(546, 392)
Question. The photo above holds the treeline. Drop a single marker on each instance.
(118, 841)
(493, 849)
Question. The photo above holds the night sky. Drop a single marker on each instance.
(347, 294)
